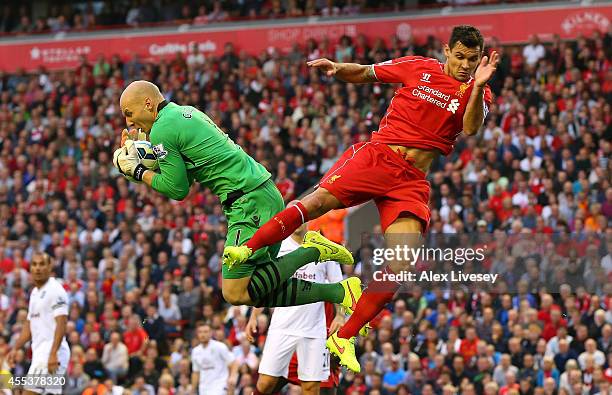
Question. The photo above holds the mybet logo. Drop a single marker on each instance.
(453, 106)
(426, 77)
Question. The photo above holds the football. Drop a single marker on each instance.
(146, 155)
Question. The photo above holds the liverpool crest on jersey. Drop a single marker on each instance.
(462, 89)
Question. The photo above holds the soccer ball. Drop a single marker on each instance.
(146, 155)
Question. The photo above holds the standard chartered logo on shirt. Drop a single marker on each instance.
(436, 97)
(453, 106)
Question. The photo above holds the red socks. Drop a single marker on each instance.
(281, 226)
(372, 301)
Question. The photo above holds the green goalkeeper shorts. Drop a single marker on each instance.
(244, 217)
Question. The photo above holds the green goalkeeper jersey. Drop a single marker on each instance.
(190, 147)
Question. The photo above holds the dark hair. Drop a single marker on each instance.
(466, 35)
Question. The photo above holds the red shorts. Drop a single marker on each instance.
(373, 170)
(331, 382)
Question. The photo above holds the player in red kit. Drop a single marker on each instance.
(435, 103)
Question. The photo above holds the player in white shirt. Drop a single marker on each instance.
(214, 369)
(300, 329)
(46, 327)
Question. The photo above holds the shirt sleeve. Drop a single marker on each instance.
(333, 271)
(30, 309)
(226, 354)
(195, 365)
(59, 302)
(172, 181)
(395, 70)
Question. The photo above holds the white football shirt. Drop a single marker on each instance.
(306, 320)
(46, 303)
(212, 363)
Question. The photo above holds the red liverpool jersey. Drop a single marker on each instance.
(427, 110)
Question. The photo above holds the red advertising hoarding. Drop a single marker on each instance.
(507, 26)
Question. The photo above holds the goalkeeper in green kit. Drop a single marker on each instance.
(190, 147)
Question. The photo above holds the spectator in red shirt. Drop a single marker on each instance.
(556, 321)
(135, 338)
(6, 263)
(468, 348)
(511, 384)
(285, 185)
(358, 387)
(546, 305)
(496, 201)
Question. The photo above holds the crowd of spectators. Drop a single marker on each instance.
(137, 266)
(71, 16)
(16, 17)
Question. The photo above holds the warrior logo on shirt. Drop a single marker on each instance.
(426, 77)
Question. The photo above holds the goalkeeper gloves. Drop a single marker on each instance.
(133, 134)
(126, 160)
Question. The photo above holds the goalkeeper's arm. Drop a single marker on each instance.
(172, 181)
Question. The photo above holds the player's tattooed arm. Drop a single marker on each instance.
(370, 74)
(347, 72)
(356, 73)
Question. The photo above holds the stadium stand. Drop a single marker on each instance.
(137, 265)
(29, 17)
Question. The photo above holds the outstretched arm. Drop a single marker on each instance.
(347, 72)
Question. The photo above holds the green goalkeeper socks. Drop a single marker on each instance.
(271, 284)
(294, 292)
